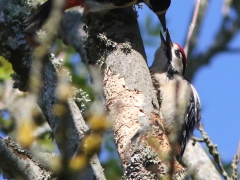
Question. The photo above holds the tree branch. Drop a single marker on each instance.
(213, 151)
(198, 163)
(235, 164)
(192, 27)
(195, 26)
(229, 28)
(19, 164)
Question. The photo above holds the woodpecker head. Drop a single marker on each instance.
(169, 57)
(176, 58)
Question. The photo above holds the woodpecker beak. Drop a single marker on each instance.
(162, 19)
(167, 44)
(168, 41)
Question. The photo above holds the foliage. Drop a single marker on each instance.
(5, 69)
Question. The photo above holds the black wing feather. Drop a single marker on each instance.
(192, 119)
(36, 20)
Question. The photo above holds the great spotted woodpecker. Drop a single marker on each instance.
(180, 103)
(36, 20)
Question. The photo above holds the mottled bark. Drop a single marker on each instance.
(19, 164)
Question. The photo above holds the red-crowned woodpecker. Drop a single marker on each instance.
(179, 101)
(36, 20)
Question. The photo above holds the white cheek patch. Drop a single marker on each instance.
(176, 61)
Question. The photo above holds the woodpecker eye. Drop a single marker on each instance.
(178, 53)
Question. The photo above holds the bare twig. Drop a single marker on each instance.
(235, 164)
(228, 29)
(198, 15)
(196, 139)
(213, 151)
(192, 26)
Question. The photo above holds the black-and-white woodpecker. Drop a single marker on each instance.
(180, 103)
(36, 20)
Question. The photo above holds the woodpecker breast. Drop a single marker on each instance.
(175, 93)
(180, 107)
